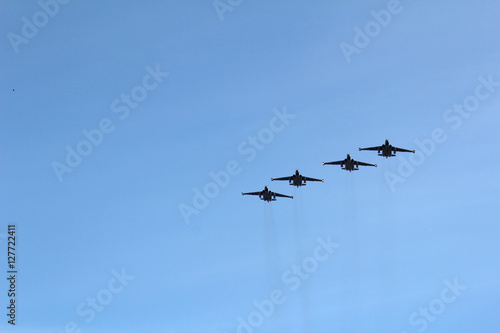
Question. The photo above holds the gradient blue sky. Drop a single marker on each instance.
(119, 209)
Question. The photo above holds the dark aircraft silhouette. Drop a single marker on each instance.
(349, 164)
(298, 180)
(388, 150)
(267, 195)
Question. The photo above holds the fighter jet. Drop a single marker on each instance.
(349, 164)
(267, 195)
(387, 149)
(298, 180)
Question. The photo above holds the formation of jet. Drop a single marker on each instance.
(298, 180)
(349, 164)
(267, 195)
(387, 150)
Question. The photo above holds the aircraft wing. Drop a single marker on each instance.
(282, 178)
(251, 193)
(365, 164)
(282, 195)
(313, 179)
(334, 163)
(403, 150)
(371, 148)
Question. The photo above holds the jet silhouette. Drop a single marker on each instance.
(298, 180)
(387, 149)
(267, 195)
(349, 164)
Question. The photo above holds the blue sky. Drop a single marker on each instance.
(172, 92)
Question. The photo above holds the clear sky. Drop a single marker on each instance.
(128, 131)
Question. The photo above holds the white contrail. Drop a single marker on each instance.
(300, 233)
(272, 253)
(270, 244)
(350, 269)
